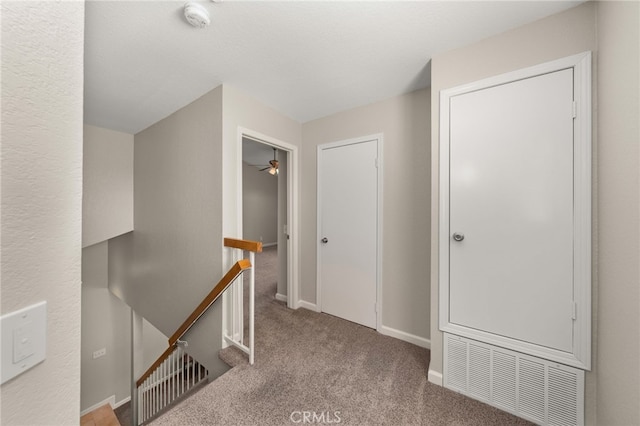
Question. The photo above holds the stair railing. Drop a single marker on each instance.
(239, 247)
(175, 373)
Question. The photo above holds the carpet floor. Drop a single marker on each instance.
(315, 368)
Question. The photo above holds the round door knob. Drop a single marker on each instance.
(325, 240)
(458, 236)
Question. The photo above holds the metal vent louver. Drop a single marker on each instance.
(533, 388)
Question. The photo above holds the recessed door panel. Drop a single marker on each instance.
(511, 210)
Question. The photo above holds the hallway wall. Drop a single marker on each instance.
(107, 184)
(259, 205)
(173, 258)
(404, 122)
(41, 173)
(106, 323)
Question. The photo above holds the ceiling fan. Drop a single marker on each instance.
(273, 165)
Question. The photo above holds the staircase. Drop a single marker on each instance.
(176, 373)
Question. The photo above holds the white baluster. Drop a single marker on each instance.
(252, 296)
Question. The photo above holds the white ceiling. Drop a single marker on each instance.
(306, 59)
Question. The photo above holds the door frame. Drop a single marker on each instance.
(581, 356)
(378, 138)
(293, 207)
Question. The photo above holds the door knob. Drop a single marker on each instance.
(325, 240)
(458, 236)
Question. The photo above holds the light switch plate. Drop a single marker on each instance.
(24, 340)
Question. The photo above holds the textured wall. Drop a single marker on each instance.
(107, 203)
(42, 85)
(106, 323)
(404, 121)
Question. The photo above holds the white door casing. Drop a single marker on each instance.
(233, 326)
(348, 229)
(515, 180)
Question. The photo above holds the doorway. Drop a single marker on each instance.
(264, 202)
(287, 156)
(349, 223)
(515, 206)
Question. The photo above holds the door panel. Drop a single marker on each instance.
(511, 195)
(348, 220)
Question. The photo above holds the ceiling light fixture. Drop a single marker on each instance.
(196, 14)
(273, 165)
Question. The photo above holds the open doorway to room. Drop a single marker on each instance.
(264, 206)
(266, 210)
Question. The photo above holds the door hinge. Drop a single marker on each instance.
(375, 308)
(574, 310)
(574, 109)
(377, 163)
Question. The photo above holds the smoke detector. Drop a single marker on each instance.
(196, 14)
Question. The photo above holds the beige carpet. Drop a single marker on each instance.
(341, 372)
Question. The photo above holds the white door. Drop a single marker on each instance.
(511, 210)
(347, 209)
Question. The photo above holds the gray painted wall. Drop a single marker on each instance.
(173, 258)
(259, 205)
(107, 184)
(618, 205)
(404, 121)
(42, 92)
(106, 323)
(610, 30)
(243, 111)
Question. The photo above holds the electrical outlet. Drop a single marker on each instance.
(99, 353)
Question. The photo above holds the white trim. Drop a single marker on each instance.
(434, 377)
(379, 139)
(308, 305)
(121, 403)
(111, 401)
(581, 356)
(281, 297)
(407, 337)
(293, 205)
(293, 215)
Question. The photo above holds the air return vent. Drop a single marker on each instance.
(542, 391)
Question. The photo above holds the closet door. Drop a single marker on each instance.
(511, 210)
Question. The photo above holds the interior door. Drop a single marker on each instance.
(511, 210)
(347, 205)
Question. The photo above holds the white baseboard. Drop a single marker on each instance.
(111, 401)
(307, 305)
(281, 297)
(434, 377)
(124, 401)
(269, 244)
(407, 337)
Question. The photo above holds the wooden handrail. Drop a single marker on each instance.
(228, 278)
(222, 285)
(254, 246)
